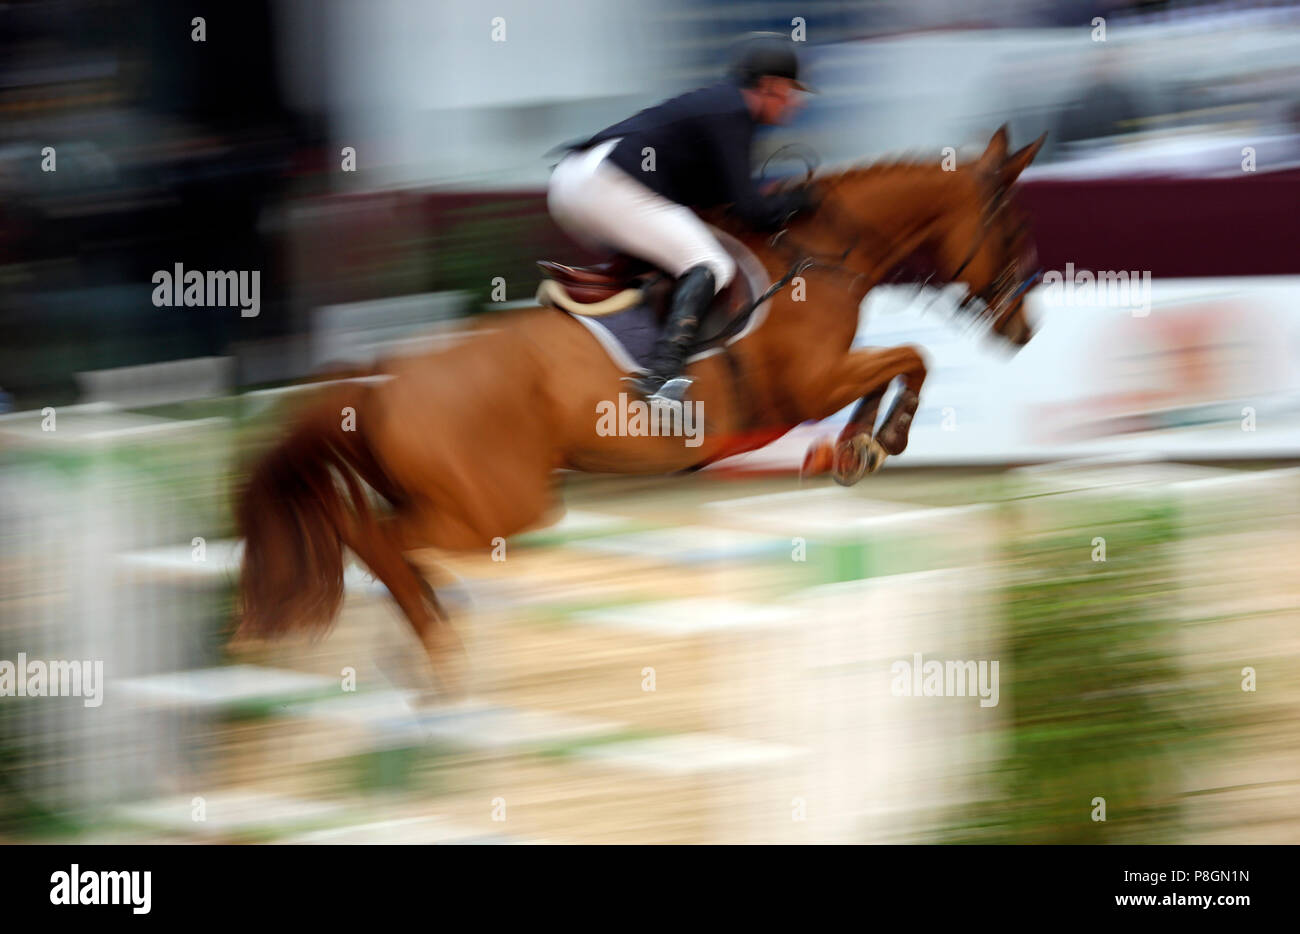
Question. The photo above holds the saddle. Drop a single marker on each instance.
(597, 290)
(625, 284)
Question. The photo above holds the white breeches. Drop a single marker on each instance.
(602, 207)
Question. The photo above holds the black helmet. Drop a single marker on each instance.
(766, 53)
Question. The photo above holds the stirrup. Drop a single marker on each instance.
(645, 385)
(672, 392)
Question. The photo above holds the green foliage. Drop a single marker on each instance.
(1096, 705)
(484, 241)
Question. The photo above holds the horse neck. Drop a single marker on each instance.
(894, 211)
(884, 215)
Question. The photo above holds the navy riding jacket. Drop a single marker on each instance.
(701, 142)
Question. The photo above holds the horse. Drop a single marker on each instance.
(461, 444)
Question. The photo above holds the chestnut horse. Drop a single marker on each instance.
(462, 443)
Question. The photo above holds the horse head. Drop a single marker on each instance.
(987, 242)
(961, 224)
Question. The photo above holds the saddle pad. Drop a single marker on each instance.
(629, 336)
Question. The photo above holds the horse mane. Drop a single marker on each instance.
(889, 165)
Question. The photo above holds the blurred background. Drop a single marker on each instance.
(656, 668)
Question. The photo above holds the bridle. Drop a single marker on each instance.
(999, 296)
(996, 300)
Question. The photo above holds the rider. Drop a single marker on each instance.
(631, 188)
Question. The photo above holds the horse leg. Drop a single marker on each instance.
(856, 452)
(865, 375)
(824, 455)
(378, 549)
(897, 426)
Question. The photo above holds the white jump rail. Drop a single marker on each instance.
(102, 483)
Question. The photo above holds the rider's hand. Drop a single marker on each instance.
(802, 199)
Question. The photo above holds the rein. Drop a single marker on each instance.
(807, 260)
(997, 298)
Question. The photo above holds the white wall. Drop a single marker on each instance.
(426, 96)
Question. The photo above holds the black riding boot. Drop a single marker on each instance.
(691, 298)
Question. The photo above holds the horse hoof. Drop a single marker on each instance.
(855, 458)
(450, 664)
(818, 460)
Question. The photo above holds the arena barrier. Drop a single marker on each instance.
(81, 488)
(777, 714)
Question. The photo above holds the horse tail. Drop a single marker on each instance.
(295, 520)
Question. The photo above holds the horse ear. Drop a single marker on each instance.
(1019, 161)
(996, 153)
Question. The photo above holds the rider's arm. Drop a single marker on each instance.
(730, 140)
